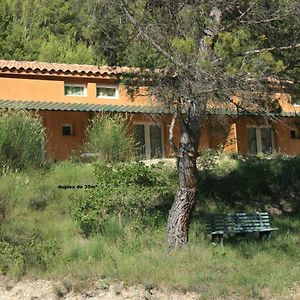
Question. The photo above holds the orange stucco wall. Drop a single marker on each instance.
(281, 133)
(60, 146)
(38, 88)
(231, 134)
(285, 143)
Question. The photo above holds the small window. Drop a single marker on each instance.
(67, 129)
(293, 134)
(75, 90)
(107, 92)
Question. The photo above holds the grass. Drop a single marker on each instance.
(135, 253)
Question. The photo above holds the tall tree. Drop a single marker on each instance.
(215, 50)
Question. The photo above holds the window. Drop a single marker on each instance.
(293, 134)
(67, 129)
(260, 140)
(75, 90)
(107, 92)
(148, 138)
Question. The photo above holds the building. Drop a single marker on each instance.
(67, 96)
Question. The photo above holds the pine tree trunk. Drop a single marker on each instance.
(182, 208)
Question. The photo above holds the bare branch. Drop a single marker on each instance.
(257, 51)
(276, 18)
(246, 11)
(171, 133)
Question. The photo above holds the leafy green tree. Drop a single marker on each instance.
(45, 30)
(59, 17)
(71, 31)
(144, 56)
(106, 31)
(65, 51)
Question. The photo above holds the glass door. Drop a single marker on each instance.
(266, 140)
(252, 143)
(140, 141)
(148, 141)
(155, 141)
(260, 140)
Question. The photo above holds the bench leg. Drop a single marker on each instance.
(241, 234)
(220, 237)
(265, 235)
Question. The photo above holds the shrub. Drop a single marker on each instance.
(22, 140)
(22, 253)
(11, 259)
(253, 182)
(108, 137)
(128, 189)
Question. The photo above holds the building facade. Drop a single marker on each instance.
(68, 96)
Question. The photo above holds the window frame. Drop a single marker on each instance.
(111, 86)
(148, 140)
(258, 137)
(296, 134)
(71, 131)
(76, 85)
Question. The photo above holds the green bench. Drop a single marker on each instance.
(239, 224)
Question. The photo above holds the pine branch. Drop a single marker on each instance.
(147, 37)
(257, 51)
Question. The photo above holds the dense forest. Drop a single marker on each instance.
(96, 32)
(69, 31)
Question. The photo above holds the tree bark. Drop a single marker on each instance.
(182, 208)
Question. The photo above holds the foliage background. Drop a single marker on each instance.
(69, 31)
(109, 138)
(22, 140)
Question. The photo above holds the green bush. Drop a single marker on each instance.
(108, 137)
(20, 254)
(129, 189)
(11, 259)
(252, 183)
(22, 140)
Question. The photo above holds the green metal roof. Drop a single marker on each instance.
(88, 107)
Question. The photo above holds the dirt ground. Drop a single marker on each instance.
(54, 290)
(50, 290)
